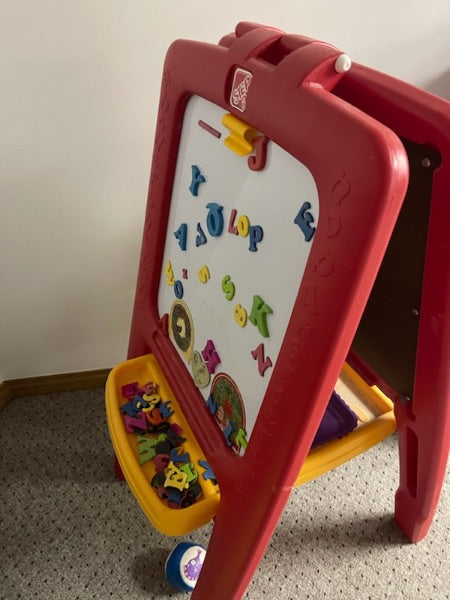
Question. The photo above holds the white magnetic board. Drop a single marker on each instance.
(256, 230)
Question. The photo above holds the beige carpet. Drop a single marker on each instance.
(70, 530)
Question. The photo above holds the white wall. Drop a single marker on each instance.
(79, 86)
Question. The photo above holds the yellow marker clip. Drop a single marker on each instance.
(241, 135)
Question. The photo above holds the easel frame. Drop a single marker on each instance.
(321, 328)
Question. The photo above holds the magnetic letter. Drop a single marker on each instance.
(168, 271)
(203, 274)
(241, 438)
(258, 161)
(304, 220)
(240, 315)
(211, 404)
(258, 315)
(139, 402)
(256, 235)
(214, 220)
(152, 400)
(174, 477)
(133, 424)
(129, 409)
(201, 237)
(165, 409)
(210, 356)
(243, 225)
(209, 473)
(228, 431)
(181, 235)
(150, 388)
(179, 458)
(231, 226)
(154, 416)
(228, 287)
(190, 471)
(130, 389)
(197, 179)
(178, 289)
(146, 447)
(263, 362)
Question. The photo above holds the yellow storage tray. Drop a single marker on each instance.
(167, 520)
(375, 422)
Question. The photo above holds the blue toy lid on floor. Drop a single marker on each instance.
(184, 564)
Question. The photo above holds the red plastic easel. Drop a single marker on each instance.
(353, 130)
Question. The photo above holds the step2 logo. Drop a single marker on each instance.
(239, 90)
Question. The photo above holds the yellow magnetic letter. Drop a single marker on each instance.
(240, 315)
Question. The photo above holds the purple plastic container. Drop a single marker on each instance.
(337, 421)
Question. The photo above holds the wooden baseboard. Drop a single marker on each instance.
(47, 384)
(5, 396)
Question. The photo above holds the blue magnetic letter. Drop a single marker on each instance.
(304, 220)
(197, 179)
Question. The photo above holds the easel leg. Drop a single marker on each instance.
(237, 544)
(423, 453)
